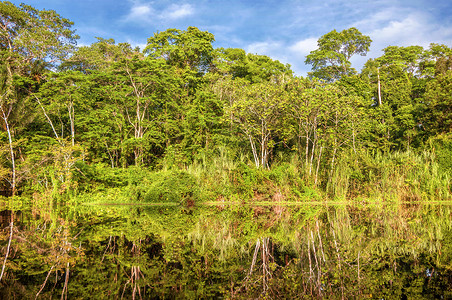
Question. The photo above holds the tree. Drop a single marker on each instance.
(98, 56)
(255, 109)
(399, 78)
(202, 123)
(437, 117)
(302, 117)
(190, 49)
(434, 60)
(30, 42)
(406, 58)
(332, 58)
(253, 67)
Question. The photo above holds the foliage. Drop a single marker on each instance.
(331, 60)
(178, 187)
(233, 251)
(81, 119)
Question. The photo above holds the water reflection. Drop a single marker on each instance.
(228, 251)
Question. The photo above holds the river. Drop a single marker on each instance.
(227, 251)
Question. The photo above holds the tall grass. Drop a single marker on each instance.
(227, 175)
(391, 176)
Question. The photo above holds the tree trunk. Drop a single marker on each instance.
(11, 225)
(71, 118)
(13, 163)
(318, 166)
(379, 87)
(253, 148)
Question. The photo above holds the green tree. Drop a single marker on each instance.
(434, 60)
(100, 56)
(399, 81)
(253, 67)
(331, 60)
(255, 109)
(190, 51)
(30, 41)
(202, 124)
(302, 111)
(437, 117)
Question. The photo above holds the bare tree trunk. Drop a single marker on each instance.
(314, 143)
(71, 118)
(50, 121)
(253, 148)
(307, 151)
(11, 225)
(262, 144)
(379, 87)
(318, 166)
(45, 281)
(66, 280)
(13, 162)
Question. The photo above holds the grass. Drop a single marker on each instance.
(227, 177)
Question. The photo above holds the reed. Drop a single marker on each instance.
(403, 176)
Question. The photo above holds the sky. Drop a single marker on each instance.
(286, 30)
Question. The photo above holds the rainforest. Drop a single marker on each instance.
(181, 170)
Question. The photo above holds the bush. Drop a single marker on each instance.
(172, 186)
(442, 147)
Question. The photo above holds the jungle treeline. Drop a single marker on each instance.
(181, 119)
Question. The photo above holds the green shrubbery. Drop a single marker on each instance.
(402, 176)
(172, 186)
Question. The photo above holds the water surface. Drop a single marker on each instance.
(390, 251)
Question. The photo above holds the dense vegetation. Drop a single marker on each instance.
(183, 121)
(400, 251)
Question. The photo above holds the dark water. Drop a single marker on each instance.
(397, 251)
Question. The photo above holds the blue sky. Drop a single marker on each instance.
(286, 30)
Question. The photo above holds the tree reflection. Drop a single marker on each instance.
(236, 251)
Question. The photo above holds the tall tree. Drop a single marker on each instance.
(189, 50)
(437, 116)
(100, 55)
(30, 42)
(332, 58)
(253, 67)
(255, 110)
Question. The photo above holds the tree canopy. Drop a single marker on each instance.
(66, 109)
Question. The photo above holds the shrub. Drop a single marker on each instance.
(172, 186)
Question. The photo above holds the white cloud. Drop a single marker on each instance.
(139, 13)
(398, 27)
(304, 47)
(298, 52)
(294, 54)
(134, 44)
(413, 30)
(378, 19)
(410, 31)
(176, 11)
(264, 48)
(145, 13)
(286, 54)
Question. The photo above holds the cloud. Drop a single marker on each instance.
(264, 48)
(415, 29)
(293, 54)
(144, 13)
(401, 27)
(286, 53)
(176, 11)
(408, 31)
(139, 12)
(304, 47)
(135, 44)
(298, 52)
